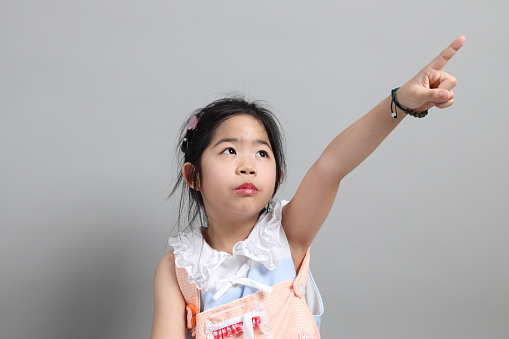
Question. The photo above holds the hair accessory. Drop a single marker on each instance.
(185, 145)
(395, 104)
(193, 122)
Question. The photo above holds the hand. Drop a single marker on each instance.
(431, 86)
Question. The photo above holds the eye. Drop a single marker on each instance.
(229, 150)
(262, 154)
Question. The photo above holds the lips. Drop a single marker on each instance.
(247, 189)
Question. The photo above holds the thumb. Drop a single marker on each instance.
(436, 95)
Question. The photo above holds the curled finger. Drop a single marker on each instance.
(447, 81)
(445, 104)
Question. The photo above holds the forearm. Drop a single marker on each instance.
(358, 141)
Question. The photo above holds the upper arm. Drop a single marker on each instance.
(169, 304)
(306, 212)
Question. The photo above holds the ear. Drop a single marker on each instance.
(190, 176)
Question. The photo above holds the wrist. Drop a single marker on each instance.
(395, 105)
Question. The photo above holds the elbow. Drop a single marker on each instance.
(329, 170)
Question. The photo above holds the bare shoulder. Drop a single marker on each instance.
(166, 264)
(169, 304)
(165, 279)
(166, 276)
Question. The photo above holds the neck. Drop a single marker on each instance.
(222, 235)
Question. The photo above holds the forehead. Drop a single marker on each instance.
(241, 125)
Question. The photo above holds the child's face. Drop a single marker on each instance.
(238, 169)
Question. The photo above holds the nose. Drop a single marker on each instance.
(246, 170)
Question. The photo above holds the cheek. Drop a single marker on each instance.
(271, 174)
(214, 175)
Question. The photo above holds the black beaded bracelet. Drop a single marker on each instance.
(395, 104)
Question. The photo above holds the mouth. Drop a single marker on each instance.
(246, 189)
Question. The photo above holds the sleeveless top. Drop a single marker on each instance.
(257, 265)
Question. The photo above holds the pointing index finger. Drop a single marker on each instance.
(441, 60)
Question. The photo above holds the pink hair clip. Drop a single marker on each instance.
(193, 122)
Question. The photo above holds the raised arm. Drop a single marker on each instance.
(305, 213)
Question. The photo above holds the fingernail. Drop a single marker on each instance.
(444, 95)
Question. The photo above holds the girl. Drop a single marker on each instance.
(245, 272)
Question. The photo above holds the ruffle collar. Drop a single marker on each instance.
(262, 245)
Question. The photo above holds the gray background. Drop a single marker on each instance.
(92, 94)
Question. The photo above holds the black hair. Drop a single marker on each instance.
(193, 142)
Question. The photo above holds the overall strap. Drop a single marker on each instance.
(299, 283)
(189, 291)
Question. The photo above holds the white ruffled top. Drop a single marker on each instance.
(206, 267)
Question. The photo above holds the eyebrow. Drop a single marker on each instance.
(237, 141)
